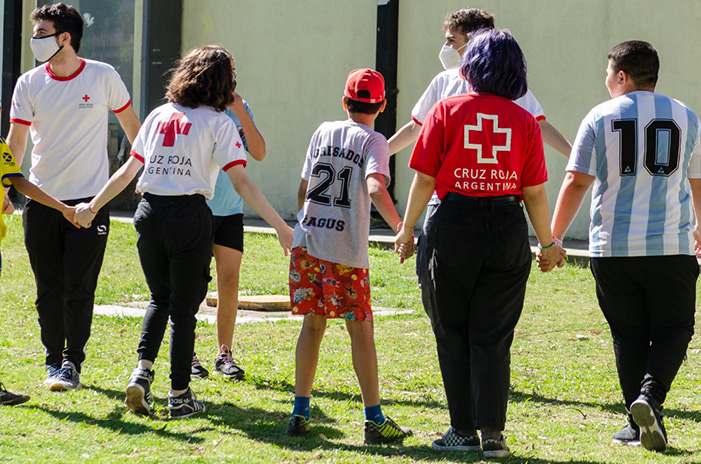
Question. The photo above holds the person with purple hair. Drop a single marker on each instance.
(483, 155)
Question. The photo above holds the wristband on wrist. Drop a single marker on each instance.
(546, 247)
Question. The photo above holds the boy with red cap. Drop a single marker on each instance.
(346, 166)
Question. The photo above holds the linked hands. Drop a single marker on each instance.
(404, 243)
(548, 258)
(83, 216)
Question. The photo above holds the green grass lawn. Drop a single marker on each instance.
(564, 406)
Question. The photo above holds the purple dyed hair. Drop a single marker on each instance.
(494, 63)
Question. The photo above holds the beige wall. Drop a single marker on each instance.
(292, 60)
(566, 43)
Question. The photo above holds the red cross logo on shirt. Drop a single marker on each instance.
(484, 137)
(172, 128)
(238, 144)
(86, 98)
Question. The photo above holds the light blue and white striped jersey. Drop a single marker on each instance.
(642, 147)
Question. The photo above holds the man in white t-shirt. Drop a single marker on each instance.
(458, 27)
(64, 105)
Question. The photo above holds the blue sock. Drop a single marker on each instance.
(302, 407)
(374, 413)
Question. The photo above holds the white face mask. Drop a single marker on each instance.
(44, 49)
(450, 58)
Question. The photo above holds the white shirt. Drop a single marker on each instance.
(449, 84)
(68, 125)
(184, 148)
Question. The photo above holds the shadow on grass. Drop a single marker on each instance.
(287, 387)
(114, 421)
(268, 427)
(618, 408)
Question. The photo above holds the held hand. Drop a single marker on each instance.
(404, 243)
(285, 236)
(69, 213)
(83, 215)
(549, 258)
(7, 206)
(697, 241)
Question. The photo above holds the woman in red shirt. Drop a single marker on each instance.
(483, 155)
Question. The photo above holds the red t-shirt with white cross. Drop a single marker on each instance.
(480, 145)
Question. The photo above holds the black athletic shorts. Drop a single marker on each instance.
(228, 231)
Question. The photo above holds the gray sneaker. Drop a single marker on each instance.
(628, 436)
(646, 414)
(184, 405)
(139, 397)
(225, 365)
(67, 378)
(51, 373)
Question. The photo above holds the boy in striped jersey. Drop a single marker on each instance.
(641, 151)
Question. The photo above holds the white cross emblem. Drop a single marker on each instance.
(496, 130)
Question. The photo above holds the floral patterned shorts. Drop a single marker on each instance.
(323, 288)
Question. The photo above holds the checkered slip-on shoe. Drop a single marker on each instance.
(451, 441)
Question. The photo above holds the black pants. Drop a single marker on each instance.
(422, 271)
(649, 303)
(66, 262)
(175, 248)
(479, 262)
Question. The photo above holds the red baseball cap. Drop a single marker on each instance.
(365, 85)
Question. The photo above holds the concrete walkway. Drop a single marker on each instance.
(380, 236)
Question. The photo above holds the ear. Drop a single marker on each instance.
(384, 104)
(343, 102)
(64, 38)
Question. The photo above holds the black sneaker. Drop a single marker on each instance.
(495, 448)
(225, 365)
(298, 425)
(628, 436)
(646, 415)
(51, 373)
(184, 405)
(11, 399)
(67, 378)
(452, 441)
(139, 397)
(196, 369)
(386, 432)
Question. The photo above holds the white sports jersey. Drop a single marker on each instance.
(449, 84)
(642, 147)
(68, 125)
(334, 222)
(184, 148)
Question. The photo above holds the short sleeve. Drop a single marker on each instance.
(426, 102)
(377, 156)
(534, 170)
(307, 167)
(529, 103)
(228, 147)
(21, 110)
(119, 98)
(694, 171)
(426, 157)
(583, 157)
